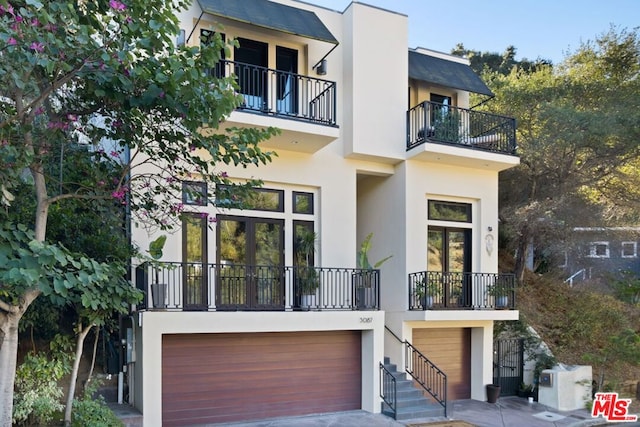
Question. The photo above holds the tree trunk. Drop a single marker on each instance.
(74, 373)
(8, 355)
(10, 316)
(93, 357)
(521, 258)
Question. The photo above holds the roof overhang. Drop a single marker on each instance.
(445, 73)
(271, 15)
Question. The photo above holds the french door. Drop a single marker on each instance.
(449, 253)
(194, 262)
(250, 254)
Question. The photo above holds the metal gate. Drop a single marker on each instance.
(508, 363)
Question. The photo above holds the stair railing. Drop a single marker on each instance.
(388, 390)
(424, 372)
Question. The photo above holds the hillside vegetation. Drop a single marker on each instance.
(584, 325)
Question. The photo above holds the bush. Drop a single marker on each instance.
(93, 412)
(37, 396)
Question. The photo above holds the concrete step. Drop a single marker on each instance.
(412, 412)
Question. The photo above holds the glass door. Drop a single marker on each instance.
(449, 253)
(250, 259)
(194, 262)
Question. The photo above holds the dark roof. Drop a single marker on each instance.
(445, 73)
(275, 16)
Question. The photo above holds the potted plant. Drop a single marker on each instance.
(158, 290)
(500, 293)
(427, 291)
(525, 390)
(306, 276)
(363, 280)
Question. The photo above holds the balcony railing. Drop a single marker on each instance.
(281, 93)
(219, 287)
(434, 290)
(433, 122)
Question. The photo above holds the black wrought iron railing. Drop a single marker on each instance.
(388, 388)
(211, 287)
(428, 375)
(282, 93)
(433, 122)
(435, 290)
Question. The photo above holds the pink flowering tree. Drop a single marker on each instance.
(104, 75)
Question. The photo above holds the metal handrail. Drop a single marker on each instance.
(437, 290)
(214, 287)
(427, 374)
(426, 381)
(282, 93)
(582, 272)
(434, 122)
(388, 388)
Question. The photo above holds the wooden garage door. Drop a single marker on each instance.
(450, 350)
(213, 378)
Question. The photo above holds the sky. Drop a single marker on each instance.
(546, 29)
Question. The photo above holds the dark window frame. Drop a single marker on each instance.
(294, 209)
(195, 187)
(467, 207)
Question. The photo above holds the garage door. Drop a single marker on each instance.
(450, 350)
(213, 378)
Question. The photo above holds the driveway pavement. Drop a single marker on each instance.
(507, 412)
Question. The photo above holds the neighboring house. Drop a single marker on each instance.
(375, 138)
(599, 252)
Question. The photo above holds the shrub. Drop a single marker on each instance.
(37, 397)
(88, 411)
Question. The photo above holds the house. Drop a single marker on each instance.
(601, 252)
(267, 314)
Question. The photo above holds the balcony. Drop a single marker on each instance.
(445, 132)
(224, 287)
(302, 107)
(431, 290)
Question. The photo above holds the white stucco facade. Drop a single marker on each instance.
(363, 180)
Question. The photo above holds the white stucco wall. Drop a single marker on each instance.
(375, 81)
(152, 325)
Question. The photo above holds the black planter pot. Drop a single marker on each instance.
(493, 392)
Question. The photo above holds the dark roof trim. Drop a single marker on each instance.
(274, 16)
(445, 73)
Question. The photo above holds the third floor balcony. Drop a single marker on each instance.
(435, 123)
(302, 107)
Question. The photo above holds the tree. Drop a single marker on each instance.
(577, 134)
(106, 75)
(495, 62)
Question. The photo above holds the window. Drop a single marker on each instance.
(265, 199)
(194, 193)
(258, 199)
(302, 202)
(629, 249)
(449, 211)
(599, 250)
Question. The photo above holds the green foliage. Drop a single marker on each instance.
(89, 411)
(577, 139)
(582, 326)
(96, 288)
(37, 395)
(363, 255)
(156, 247)
(307, 278)
(627, 287)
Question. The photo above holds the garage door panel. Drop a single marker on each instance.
(450, 350)
(210, 378)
